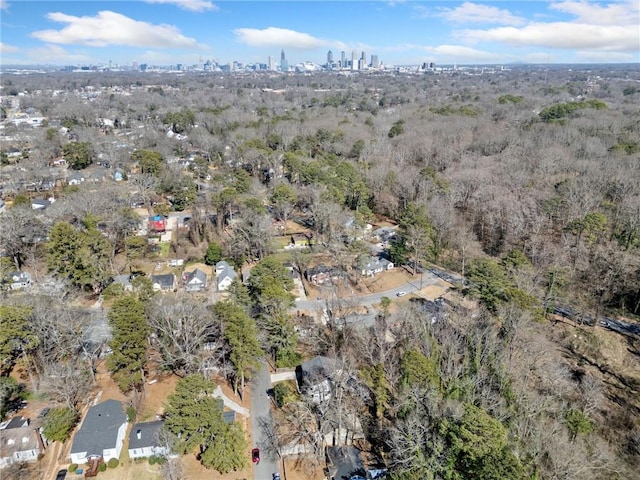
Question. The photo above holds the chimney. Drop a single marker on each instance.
(139, 434)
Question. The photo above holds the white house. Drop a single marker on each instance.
(19, 443)
(314, 378)
(225, 275)
(195, 281)
(144, 440)
(101, 434)
(373, 265)
(19, 280)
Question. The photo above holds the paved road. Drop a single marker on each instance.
(412, 286)
(262, 425)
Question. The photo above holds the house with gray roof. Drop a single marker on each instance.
(165, 282)
(225, 275)
(19, 280)
(370, 266)
(144, 440)
(19, 442)
(195, 281)
(102, 433)
(315, 378)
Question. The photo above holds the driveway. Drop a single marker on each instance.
(262, 426)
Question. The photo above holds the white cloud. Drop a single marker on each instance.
(461, 53)
(111, 28)
(562, 35)
(606, 57)
(619, 13)
(192, 5)
(4, 5)
(470, 12)
(55, 54)
(609, 27)
(4, 48)
(282, 37)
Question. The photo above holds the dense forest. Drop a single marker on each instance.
(524, 182)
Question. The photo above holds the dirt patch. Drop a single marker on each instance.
(301, 468)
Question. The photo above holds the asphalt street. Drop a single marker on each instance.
(262, 425)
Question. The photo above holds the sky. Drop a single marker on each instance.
(400, 32)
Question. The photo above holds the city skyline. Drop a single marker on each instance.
(160, 32)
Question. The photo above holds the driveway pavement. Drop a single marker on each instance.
(262, 426)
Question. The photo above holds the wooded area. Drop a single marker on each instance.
(525, 183)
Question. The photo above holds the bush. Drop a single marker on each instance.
(131, 414)
(153, 460)
(73, 467)
(58, 424)
(113, 463)
(102, 467)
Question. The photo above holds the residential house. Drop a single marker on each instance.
(19, 442)
(40, 203)
(75, 179)
(321, 274)
(157, 224)
(225, 275)
(314, 378)
(165, 282)
(19, 280)
(125, 281)
(101, 434)
(144, 440)
(195, 281)
(370, 266)
(345, 462)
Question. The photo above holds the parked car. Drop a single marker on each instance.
(275, 476)
(255, 455)
(44, 412)
(401, 294)
(61, 474)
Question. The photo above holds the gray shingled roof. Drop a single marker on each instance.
(149, 432)
(99, 430)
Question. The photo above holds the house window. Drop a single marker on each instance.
(135, 451)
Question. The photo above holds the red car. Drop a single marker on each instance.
(255, 455)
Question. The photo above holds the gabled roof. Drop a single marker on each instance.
(346, 462)
(16, 422)
(196, 274)
(20, 277)
(315, 370)
(99, 430)
(166, 281)
(148, 433)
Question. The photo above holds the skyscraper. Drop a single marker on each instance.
(329, 57)
(375, 63)
(282, 57)
(354, 60)
(343, 60)
(284, 65)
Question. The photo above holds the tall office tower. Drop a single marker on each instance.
(363, 57)
(284, 65)
(375, 63)
(354, 60)
(282, 58)
(272, 63)
(343, 60)
(329, 57)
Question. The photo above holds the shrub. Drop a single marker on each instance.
(131, 414)
(102, 467)
(73, 467)
(113, 463)
(153, 460)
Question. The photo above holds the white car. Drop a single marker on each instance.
(401, 294)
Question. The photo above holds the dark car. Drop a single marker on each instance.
(275, 476)
(44, 412)
(255, 455)
(61, 474)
